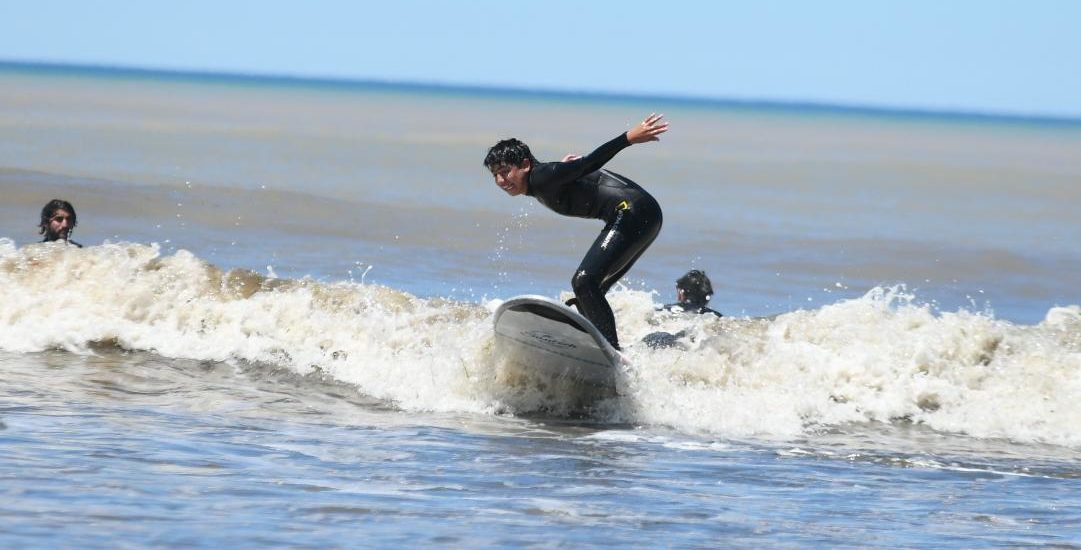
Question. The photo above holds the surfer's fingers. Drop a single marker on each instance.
(653, 125)
(648, 129)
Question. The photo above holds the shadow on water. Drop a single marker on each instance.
(245, 394)
(111, 376)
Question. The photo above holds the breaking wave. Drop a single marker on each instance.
(882, 357)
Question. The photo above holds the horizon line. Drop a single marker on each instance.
(227, 77)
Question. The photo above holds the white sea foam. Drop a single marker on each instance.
(879, 358)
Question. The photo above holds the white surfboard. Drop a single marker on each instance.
(552, 339)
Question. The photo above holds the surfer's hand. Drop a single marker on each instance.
(571, 157)
(653, 126)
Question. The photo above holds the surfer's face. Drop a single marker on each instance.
(59, 225)
(512, 179)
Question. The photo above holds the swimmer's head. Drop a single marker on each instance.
(58, 220)
(694, 289)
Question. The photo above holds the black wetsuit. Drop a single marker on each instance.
(632, 219)
(48, 240)
(687, 307)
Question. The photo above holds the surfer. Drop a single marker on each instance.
(579, 187)
(58, 221)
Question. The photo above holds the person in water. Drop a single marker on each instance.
(693, 292)
(579, 187)
(58, 221)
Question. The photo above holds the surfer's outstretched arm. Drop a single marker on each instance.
(574, 166)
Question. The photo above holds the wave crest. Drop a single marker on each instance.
(882, 357)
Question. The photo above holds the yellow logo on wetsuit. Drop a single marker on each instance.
(623, 206)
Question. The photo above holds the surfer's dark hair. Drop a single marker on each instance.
(508, 152)
(50, 208)
(697, 290)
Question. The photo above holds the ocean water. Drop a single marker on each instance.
(279, 331)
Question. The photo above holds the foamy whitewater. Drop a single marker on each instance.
(279, 331)
(877, 358)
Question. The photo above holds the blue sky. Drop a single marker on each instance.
(978, 56)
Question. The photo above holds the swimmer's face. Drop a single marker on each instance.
(512, 179)
(60, 225)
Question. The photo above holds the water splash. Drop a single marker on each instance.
(881, 358)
